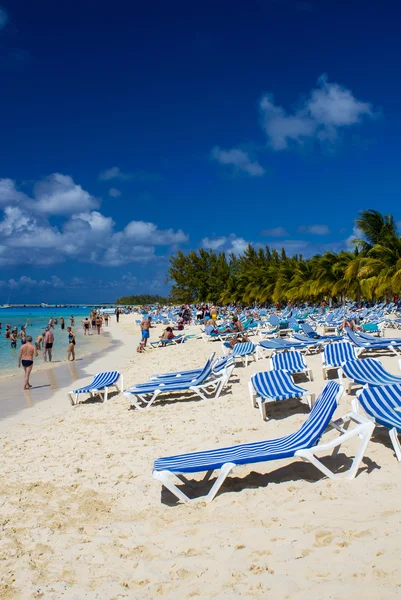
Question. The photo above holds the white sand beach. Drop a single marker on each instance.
(81, 516)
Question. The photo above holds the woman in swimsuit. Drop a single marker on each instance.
(71, 344)
(27, 352)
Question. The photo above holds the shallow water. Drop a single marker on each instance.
(37, 319)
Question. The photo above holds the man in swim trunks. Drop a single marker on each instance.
(26, 354)
(48, 344)
(145, 326)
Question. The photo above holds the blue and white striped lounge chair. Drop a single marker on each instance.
(242, 351)
(192, 373)
(280, 345)
(273, 386)
(99, 386)
(291, 361)
(178, 339)
(312, 334)
(334, 355)
(206, 385)
(367, 371)
(382, 404)
(379, 344)
(304, 444)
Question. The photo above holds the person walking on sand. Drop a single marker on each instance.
(99, 323)
(71, 344)
(117, 313)
(145, 326)
(48, 345)
(86, 323)
(106, 319)
(26, 354)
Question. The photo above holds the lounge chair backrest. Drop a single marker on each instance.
(272, 384)
(274, 320)
(308, 330)
(355, 339)
(368, 370)
(338, 353)
(380, 402)
(105, 379)
(243, 348)
(291, 361)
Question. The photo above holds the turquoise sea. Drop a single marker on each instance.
(38, 319)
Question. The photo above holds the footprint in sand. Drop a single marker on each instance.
(323, 538)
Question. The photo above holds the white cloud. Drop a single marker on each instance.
(228, 244)
(328, 108)
(113, 173)
(28, 237)
(3, 18)
(238, 159)
(114, 193)
(275, 232)
(59, 195)
(315, 229)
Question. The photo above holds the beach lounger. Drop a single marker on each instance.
(304, 444)
(274, 386)
(312, 334)
(367, 371)
(206, 385)
(280, 345)
(193, 372)
(382, 404)
(291, 361)
(379, 344)
(179, 339)
(99, 386)
(242, 351)
(334, 355)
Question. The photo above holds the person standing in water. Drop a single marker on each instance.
(71, 344)
(48, 344)
(26, 354)
(62, 323)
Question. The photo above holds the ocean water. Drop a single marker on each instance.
(38, 319)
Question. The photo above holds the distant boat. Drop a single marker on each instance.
(6, 306)
(43, 305)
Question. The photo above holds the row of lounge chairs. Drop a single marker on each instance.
(380, 403)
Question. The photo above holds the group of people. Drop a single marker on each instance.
(95, 322)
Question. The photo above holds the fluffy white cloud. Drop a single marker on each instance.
(275, 232)
(328, 108)
(229, 244)
(114, 193)
(315, 229)
(238, 159)
(59, 195)
(28, 237)
(113, 173)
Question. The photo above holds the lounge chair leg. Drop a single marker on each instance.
(224, 472)
(262, 408)
(310, 375)
(396, 442)
(165, 479)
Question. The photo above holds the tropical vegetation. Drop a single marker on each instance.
(141, 300)
(368, 270)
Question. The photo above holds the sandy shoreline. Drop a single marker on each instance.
(81, 516)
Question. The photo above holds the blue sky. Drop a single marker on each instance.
(128, 130)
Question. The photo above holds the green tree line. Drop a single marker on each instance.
(370, 270)
(142, 299)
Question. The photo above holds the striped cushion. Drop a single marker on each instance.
(276, 385)
(338, 353)
(369, 370)
(290, 361)
(101, 380)
(306, 437)
(380, 402)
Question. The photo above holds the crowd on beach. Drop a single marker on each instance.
(44, 342)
